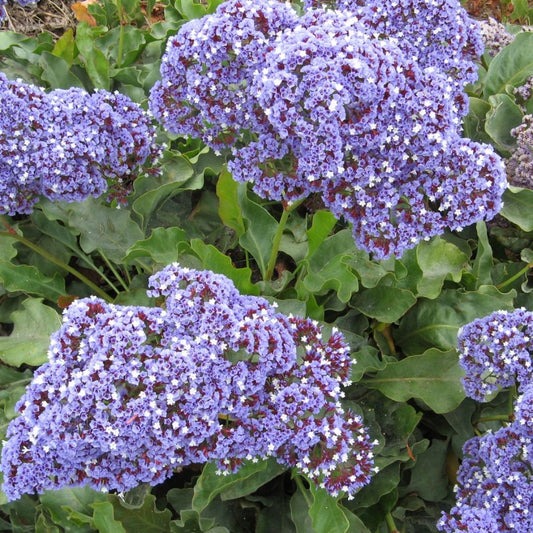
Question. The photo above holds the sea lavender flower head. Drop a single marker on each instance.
(434, 33)
(131, 393)
(495, 352)
(68, 144)
(208, 68)
(336, 108)
(494, 480)
(520, 165)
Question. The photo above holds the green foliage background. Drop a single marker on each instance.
(401, 316)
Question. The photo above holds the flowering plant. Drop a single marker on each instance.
(340, 161)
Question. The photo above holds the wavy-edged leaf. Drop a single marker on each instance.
(434, 377)
(434, 323)
(30, 280)
(512, 66)
(30, 338)
(518, 207)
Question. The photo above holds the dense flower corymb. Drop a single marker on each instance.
(131, 393)
(495, 352)
(67, 144)
(495, 478)
(361, 105)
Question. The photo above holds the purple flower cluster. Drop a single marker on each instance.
(495, 352)
(520, 165)
(495, 478)
(495, 36)
(67, 144)
(132, 393)
(362, 106)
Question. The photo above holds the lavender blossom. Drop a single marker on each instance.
(495, 352)
(67, 144)
(333, 103)
(131, 393)
(520, 165)
(495, 36)
(495, 478)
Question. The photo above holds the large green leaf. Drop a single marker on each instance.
(216, 261)
(229, 209)
(438, 260)
(95, 62)
(29, 341)
(30, 280)
(163, 246)
(518, 207)
(434, 377)
(512, 66)
(104, 520)
(434, 323)
(146, 517)
(385, 303)
(64, 503)
(260, 230)
(503, 116)
(210, 484)
(325, 512)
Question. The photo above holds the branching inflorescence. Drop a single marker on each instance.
(361, 105)
(131, 393)
(495, 478)
(67, 144)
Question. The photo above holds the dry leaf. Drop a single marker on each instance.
(81, 12)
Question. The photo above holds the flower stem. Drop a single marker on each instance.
(115, 272)
(391, 524)
(515, 277)
(47, 255)
(276, 241)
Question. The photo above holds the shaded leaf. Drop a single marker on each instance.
(325, 512)
(163, 246)
(434, 377)
(229, 209)
(512, 66)
(434, 323)
(104, 520)
(30, 280)
(30, 339)
(518, 207)
(146, 518)
(503, 116)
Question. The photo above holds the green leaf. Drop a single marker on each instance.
(56, 72)
(474, 122)
(61, 504)
(229, 210)
(30, 280)
(163, 246)
(483, 263)
(30, 339)
(100, 227)
(96, 63)
(428, 476)
(518, 207)
(104, 520)
(325, 512)
(190, 9)
(220, 263)
(384, 482)
(434, 323)
(434, 377)
(323, 223)
(210, 484)
(146, 518)
(503, 116)
(300, 513)
(330, 267)
(65, 47)
(260, 230)
(385, 303)
(438, 259)
(512, 66)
